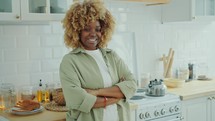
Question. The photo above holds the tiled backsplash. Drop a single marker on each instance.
(32, 52)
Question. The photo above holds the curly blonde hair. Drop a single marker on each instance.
(81, 14)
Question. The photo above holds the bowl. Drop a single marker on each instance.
(173, 82)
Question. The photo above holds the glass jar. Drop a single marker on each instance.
(8, 95)
(2, 107)
(144, 81)
(27, 93)
(183, 73)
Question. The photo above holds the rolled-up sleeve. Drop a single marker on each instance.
(129, 85)
(128, 88)
(76, 97)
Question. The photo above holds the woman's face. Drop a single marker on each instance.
(90, 35)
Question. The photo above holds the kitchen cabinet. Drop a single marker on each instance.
(33, 10)
(199, 109)
(147, 2)
(9, 10)
(188, 10)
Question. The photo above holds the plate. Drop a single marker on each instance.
(204, 79)
(15, 111)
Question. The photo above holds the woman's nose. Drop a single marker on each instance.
(93, 33)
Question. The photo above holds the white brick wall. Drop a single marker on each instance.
(32, 52)
(29, 53)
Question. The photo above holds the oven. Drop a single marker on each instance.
(165, 108)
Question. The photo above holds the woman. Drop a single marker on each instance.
(96, 82)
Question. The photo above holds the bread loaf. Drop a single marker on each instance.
(58, 97)
(28, 105)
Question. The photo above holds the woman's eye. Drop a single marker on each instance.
(89, 30)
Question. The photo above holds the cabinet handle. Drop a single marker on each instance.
(17, 17)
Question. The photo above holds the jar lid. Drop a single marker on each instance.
(7, 87)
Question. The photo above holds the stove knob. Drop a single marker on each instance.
(147, 115)
(156, 113)
(163, 112)
(171, 109)
(141, 116)
(176, 108)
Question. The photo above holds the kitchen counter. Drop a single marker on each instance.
(45, 115)
(42, 116)
(194, 89)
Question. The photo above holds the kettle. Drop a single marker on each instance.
(156, 88)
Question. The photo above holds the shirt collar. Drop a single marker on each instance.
(81, 50)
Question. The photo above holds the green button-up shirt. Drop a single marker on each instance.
(78, 70)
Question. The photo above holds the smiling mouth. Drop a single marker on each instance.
(93, 40)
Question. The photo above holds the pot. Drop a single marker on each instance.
(156, 88)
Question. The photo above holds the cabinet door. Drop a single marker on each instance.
(44, 10)
(58, 8)
(205, 7)
(195, 109)
(35, 10)
(192, 10)
(205, 10)
(173, 11)
(9, 10)
(212, 108)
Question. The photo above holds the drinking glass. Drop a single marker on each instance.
(144, 80)
(27, 93)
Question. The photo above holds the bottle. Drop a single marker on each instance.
(40, 92)
(47, 94)
(191, 71)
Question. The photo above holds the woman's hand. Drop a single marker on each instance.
(93, 92)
